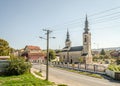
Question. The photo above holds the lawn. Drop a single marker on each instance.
(23, 80)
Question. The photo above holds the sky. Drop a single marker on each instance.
(22, 22)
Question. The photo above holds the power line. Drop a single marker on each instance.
(105, 11)
(92, 15)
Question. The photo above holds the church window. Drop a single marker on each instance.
(85, 39)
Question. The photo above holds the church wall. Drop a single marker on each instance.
(73, 56)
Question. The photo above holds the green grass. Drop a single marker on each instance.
(84, 73)
(23, 80)
(62, 85)
(87, 73)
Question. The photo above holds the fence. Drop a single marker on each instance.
(94, 68)
(113, 74)
(3, 65)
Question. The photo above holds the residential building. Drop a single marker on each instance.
(33, 54)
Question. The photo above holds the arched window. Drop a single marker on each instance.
(85, 40)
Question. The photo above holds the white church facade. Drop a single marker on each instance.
(74, 53)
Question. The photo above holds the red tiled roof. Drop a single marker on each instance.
(33, 47)
(40, 54)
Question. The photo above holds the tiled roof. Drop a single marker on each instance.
(33, 47)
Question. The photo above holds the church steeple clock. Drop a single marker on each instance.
(87, 43)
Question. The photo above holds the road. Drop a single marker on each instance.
(73, 79)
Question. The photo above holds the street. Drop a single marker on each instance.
(73, 79)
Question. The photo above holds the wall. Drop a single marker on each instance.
(114, 75)
(75, 55)
(3, 65)
(110, 73)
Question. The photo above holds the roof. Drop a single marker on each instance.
(65, 48)
(33, 47)
(76, 48)
(84, 54)
(35, 54)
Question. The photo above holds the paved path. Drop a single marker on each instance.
(73, 79)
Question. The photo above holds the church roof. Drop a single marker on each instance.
(76, 48)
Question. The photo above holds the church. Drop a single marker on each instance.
(75, 53)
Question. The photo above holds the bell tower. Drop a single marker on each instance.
(87, 43)
(68, 42)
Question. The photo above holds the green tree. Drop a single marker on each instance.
(4, 47)
(102, 52)
(81, 60)
(95, 58)
(52, 54)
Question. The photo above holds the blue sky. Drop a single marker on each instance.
(22, 21)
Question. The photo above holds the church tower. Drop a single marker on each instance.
(68, 42)
(87, 43)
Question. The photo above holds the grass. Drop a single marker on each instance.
(62, 85)
(84, 73)
(23, 80)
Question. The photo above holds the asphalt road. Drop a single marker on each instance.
(73, 79)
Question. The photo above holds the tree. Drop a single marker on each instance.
(4, 47)
(102, 52)
(116, 55)
(81, 60)
(52, 54)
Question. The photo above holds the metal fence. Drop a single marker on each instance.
(94, 68)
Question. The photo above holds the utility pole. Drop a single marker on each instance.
(47, 69)
(47, 60)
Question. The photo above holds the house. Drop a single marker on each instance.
(75, 53)
(33, 54)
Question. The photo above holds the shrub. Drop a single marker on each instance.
(114, 68)
(18, 66)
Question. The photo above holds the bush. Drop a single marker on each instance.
(18, 66)
(114, 68)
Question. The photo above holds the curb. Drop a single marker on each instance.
(32, 71)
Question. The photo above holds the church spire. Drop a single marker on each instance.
(86, 25)
(68, 36)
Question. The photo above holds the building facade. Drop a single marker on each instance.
(33, 54)
(74, 54)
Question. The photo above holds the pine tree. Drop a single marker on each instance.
(102, 52)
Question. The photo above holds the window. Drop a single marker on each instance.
(85, 40)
